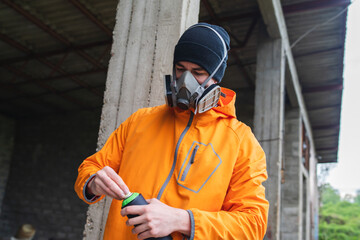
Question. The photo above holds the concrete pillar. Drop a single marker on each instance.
(306, 218)
(268, 119)
(143, 43)
(7, 135)
(292, 187)
(313, 196)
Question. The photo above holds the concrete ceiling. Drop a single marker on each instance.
(54, 56)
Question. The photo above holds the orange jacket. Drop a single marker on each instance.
(209, 164)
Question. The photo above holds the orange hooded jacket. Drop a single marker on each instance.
(209, 164)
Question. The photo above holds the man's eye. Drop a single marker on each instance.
(199, 73)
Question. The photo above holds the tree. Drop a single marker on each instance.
(328, 194)
(339, 219)
(357, 197)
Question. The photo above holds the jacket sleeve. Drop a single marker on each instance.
(110, 155)
(245, 209)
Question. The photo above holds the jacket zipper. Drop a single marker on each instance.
(191, 161)
(175, 155)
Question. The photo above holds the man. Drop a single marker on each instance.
(199, 167)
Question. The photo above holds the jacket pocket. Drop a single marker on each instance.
(189, 163)
(200, 163)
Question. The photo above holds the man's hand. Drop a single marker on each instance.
(157, 219)
(107, 182)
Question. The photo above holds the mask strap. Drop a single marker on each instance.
(174, 77)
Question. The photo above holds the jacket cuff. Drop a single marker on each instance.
(192, 224)
(90, 198)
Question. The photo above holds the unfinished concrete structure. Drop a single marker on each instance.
(285, 65)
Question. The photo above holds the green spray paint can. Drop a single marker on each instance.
(138, 199)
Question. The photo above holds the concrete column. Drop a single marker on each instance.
(268, 119)
(306, 219)
(144, 38)
(292, 189)
(7, 131)
(313, 196)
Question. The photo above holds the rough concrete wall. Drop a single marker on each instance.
(40, 187)
(7, 132)
(291, 189)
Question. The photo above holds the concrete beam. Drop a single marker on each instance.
(270, 11)
(145, 35)
(334, 87)
(290, 90)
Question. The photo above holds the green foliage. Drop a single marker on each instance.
(339, 218)
(357, 199)
(328, 194)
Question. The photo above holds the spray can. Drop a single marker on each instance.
(138, 199)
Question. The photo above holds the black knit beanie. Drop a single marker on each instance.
(202, 46)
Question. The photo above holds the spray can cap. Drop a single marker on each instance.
(129, 197)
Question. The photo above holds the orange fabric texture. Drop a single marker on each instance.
(217, 174)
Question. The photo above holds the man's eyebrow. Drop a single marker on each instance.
(196, 69)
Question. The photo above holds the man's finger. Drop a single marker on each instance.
(115, 189)
(147, 234)
(136, 221)
(152, 200)
(110, 184)
(117, 179)
(140, 228)
(133, 210)
(105, 190)
(110, 189)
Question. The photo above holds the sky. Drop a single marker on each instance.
(345, 175)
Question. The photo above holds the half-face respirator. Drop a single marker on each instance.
(186, 93)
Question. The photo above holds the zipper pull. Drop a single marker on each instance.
(192, 159)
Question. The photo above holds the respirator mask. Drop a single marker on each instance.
(186, 93)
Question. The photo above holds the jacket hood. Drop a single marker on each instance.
(226, 104)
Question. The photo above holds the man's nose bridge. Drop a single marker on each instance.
(189, 81)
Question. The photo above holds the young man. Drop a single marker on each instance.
(199, 167)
